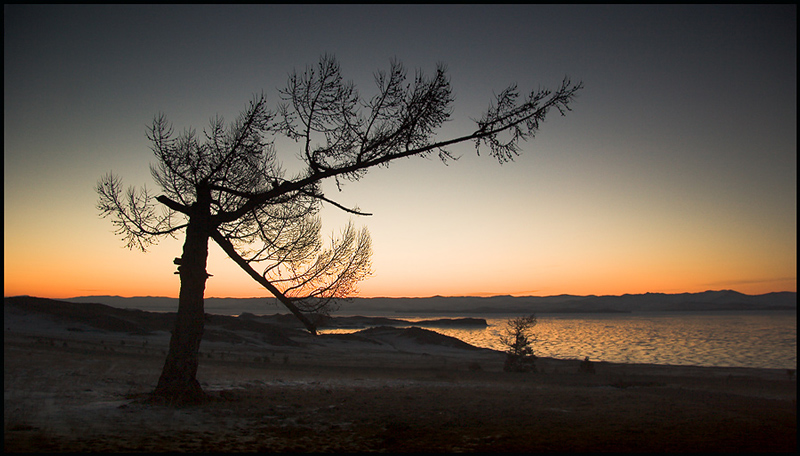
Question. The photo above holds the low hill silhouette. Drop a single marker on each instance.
(722, 300)
(275, 330)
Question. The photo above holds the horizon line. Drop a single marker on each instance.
(487, 296)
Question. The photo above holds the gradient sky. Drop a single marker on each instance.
(676, 171)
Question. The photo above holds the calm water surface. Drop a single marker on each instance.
(738, 339)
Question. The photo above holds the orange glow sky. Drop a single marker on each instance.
(676, 171)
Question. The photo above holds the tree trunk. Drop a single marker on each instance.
(178, 383)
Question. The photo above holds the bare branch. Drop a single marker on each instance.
(134, 214)
(227, 184)
(520, 122)
(322, 197)
(269, 220)
(330, 273)
(416, 117)
(231, 251)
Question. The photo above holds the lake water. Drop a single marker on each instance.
(735, 339)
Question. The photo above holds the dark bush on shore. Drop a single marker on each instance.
(517, 338)
(586, 367)
(515, 363)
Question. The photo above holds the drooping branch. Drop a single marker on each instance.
(228, 248)
(327, 274)
(227, 184)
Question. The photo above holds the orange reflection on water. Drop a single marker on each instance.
(738, 339)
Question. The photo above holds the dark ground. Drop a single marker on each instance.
(70, 386)
(73, 399)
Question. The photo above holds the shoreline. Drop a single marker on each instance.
(389, 402)
(81, 391)
(72, 387)
(94, 319)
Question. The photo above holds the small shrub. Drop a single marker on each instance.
(517, 338)
(515, 363)
(586, 367)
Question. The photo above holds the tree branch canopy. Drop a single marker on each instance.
(135, 215)
(264, 219)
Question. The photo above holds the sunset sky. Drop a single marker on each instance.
(676, 171)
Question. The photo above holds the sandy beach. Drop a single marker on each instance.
(71, 387)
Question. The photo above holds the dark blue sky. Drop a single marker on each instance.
(675, 172)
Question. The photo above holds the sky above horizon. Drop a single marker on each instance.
(676, 171)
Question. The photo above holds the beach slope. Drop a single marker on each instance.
(74, 382)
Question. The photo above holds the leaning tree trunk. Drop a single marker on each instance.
(178, 383)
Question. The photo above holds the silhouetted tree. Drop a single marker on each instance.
(517, 338)
(227, 185)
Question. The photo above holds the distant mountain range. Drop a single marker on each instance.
(724, 300)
